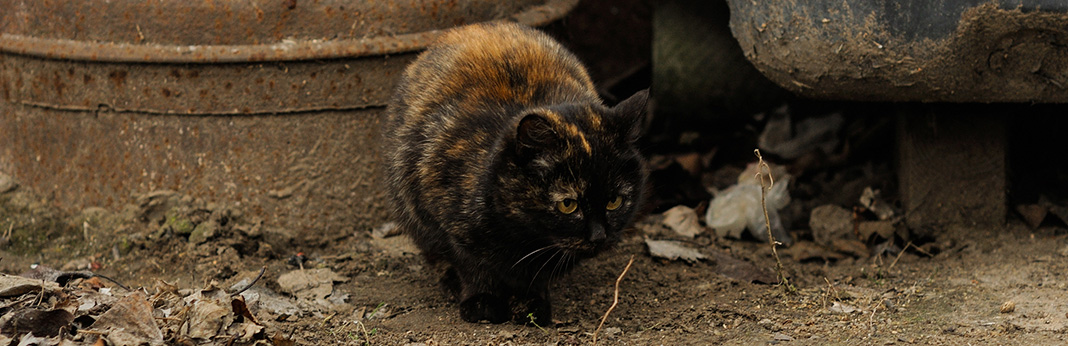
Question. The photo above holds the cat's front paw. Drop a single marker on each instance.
(484, 307)
(450, 284)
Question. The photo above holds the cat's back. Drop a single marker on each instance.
(495, 68)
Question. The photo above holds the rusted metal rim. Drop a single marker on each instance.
(285, 51)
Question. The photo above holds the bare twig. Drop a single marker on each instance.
(262, 270)
(615, 300)
(871, 317)
(92, 332)
(833, 289)
(366, 335)
(40, 295)
(902, 252)
(117, 283)
(922, 251)
(328, 318)
(766, 185)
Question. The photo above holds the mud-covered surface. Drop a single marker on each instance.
(861, 51)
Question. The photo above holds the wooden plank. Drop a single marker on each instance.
(951, 167)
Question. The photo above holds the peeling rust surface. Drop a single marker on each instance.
(325, 160)
(203, 89)
(241, 103)
(257, 31)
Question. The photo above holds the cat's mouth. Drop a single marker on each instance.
(582, 249)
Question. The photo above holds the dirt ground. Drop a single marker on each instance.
(383, 293)
(970, 285)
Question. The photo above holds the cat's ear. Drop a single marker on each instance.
(535, 133)
(632, 114)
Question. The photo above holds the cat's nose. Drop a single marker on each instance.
(597, 234)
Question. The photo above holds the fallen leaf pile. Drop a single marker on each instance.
(38, 310)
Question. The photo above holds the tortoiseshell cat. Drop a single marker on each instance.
(504, 163)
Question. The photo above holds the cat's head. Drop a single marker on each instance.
(575, 178)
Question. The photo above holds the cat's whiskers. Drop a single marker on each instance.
(535, 277)
(561, 265)
(532, 253)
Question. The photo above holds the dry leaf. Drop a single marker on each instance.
(207, 319)
(842, 308)
(45, 323)
(830, 222)
(31, 340)
(885, 229)
(673, 250)
(1033, 214)
(130, 322)
(240, 309)
(11, 285)
(309, 283)
(851, 247)
(683, 221)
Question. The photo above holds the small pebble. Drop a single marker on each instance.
(1008, 307)
(385, 230)
(7, 183)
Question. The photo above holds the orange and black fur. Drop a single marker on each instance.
(504, 163)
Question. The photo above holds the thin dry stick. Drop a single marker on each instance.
(835, 290)
(922, 251)
(892, 264)
(40, 295)
(112, 281)
(262, 270)
(93, 332)
(615, 300)
(764, 187)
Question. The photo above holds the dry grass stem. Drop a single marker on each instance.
(765, 185)
(834, 290)
(615, 300)
(91, 332)
(258, 277)
(922, 251)
(902, 252)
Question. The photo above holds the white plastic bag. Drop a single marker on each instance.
(738, 207)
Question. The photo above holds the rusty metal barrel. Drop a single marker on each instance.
(273, 106)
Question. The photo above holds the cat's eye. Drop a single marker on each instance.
(567, 206)
(615, 203)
